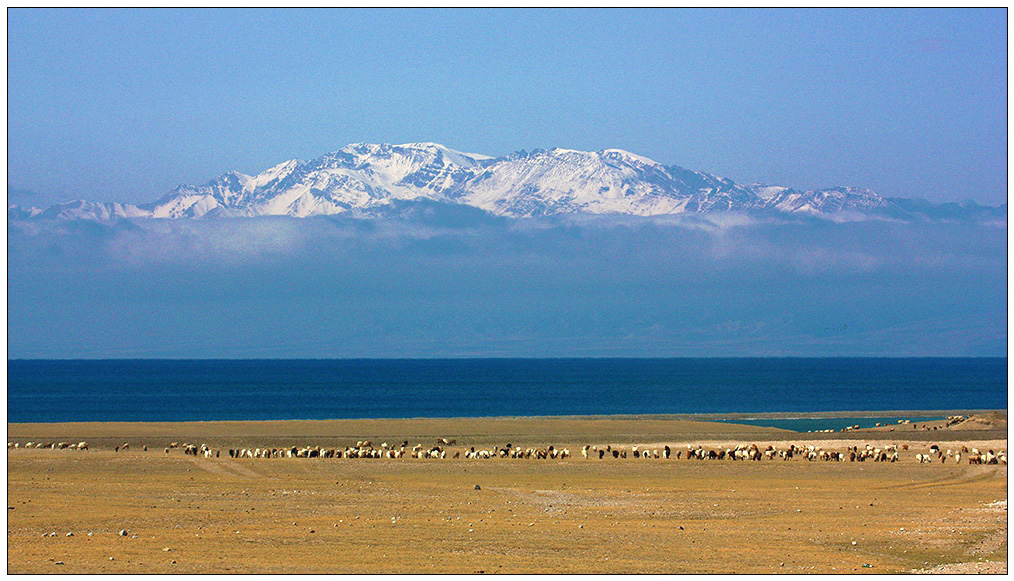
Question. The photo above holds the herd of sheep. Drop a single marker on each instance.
(53, 446)
(951, 421)
(441, 449)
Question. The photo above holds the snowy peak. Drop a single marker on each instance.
(359, 175)
(269, 177)
(450, 156)
(363, 177)
(626, 156)
(827, 201)
(398, 161)
(565, 180)
(83, 210)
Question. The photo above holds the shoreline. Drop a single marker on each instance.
(701, 416)
(569, 430)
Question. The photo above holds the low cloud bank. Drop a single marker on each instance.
(430, 283)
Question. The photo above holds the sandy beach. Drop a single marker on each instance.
(113, 510)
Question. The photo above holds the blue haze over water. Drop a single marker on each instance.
(194, 390)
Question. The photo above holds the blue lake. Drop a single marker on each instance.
(178, 390)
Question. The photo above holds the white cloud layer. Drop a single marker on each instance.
(436, 284)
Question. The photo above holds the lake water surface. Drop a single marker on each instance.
(178, 390)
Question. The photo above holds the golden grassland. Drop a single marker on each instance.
(185, 514)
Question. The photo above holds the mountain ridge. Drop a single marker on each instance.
(362, 177)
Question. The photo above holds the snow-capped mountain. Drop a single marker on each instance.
(362, 177)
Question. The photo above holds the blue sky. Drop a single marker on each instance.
(124, 105)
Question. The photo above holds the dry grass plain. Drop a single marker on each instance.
(187, 514)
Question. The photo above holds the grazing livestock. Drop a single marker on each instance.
(744, 451)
